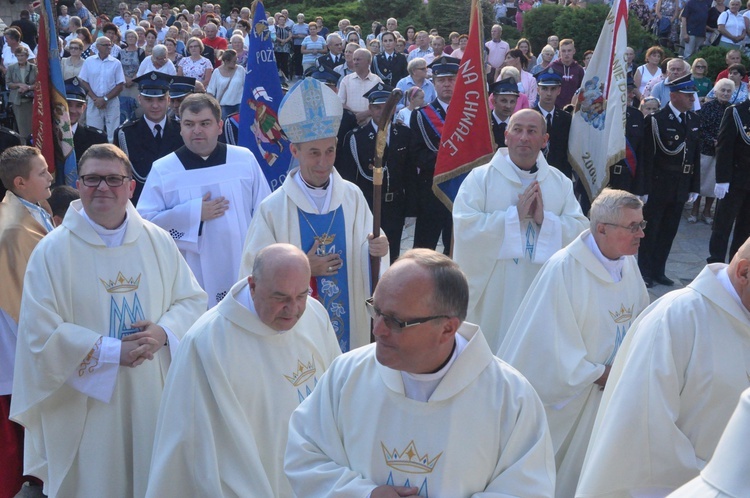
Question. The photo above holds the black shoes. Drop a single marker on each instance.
(648, 281)
(663, 280)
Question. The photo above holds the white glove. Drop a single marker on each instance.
(644, 198)
(720, 190)
(692, 196)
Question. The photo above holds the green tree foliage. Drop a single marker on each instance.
(378, 10)
(582, 25)
(452, 15)
(538, 25)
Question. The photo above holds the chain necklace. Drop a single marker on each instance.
(326, 237)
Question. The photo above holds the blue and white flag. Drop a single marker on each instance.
(259, 128)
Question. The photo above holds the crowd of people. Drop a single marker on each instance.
(173, 326)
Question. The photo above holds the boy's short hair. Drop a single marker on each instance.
(14, 162)
(60, 200)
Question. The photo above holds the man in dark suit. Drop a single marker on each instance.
(335, 56)
(672, 167)
(83, 136)
(390, 65)
(358, 156)
(153, 135)
(549, 85)
(504, 98)
(433, 218)
(628, 174)
(732, 183)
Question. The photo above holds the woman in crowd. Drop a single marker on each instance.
(353, 37)
(587, 55)
(710, 116)
(712, 26)
(174, 33)
(237, 43)
(282, 47)
(20, 79)
(376, 29)
(731, 25)
(648, 71)
(401, 46)
(63, 21)
(667, 16)
(547, 53)
(172, 53)
(227, 84)
(313, 46)
(411, 37)
(739, 93)
(453, 43)
(649, 105)
(195, 65)
(523, 102)
(526, 83)
(702, 82)
(374, 47)
(85, 36)
(150, 41)
(414, 98)
(131, 57)
(140, 31)
(463, 40)
(525, 46)
(72, 64)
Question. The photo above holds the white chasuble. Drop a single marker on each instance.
(499, 253)
(280, 218)
(674, 384)
(482, 432)
(230, 392)
(568, 327)
(77, 291)
(172, 198)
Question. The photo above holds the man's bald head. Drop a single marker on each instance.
(275, 256)
(739, 273)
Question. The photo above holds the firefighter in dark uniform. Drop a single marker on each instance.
(549, 84)
(153, 135)
(83, 136)
(389, 64)
(672, 167)
(504, 98)
(181, 87)
(358, 156)
(628, 173)
(732, 183)
(426, 124)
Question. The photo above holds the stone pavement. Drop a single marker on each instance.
(686, 260)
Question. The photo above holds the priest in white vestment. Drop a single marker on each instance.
(509, 217)
(106, 299)
(427, 410)
(205, 195)
(726, 475)
(572, 321)
(322, 214)
(247, 363)
(673, 387)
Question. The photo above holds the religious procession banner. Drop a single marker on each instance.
(466, 139)
(597, 131)
(259, 128)
(51, 130)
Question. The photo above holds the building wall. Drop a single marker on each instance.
(9, 12)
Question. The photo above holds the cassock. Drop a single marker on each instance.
(172, 198)
(243, 455)
(567, 329)
(675, 382)
(433, 218)
(290, 215)
(628, 174)
(89, 423)
(482, 432)
(499, 253)
(137, 140)
(355, 165)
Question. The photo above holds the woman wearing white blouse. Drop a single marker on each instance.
(227, 84)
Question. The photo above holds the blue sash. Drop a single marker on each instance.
(332, 291)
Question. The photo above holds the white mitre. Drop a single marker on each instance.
(310, 111)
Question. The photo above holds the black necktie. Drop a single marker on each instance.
(549, 122)
(157, 133)
(502, 130)
(683, 116)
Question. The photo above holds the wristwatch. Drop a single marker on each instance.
(105, 99)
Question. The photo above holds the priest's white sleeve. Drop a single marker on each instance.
(97, 374)
(550, 238)
(182, 221)
(316, 463)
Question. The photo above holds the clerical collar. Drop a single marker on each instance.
(191, 160)
(525, 172)
(420, 387)
(319, 197)
(723, 277)
(613, 266)
(111, 238)
(313, 187)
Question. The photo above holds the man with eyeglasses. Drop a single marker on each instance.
(427, 409)
(103, 79)
(572, 321)
(673, 387)
(269, 328)
(106, 300)
(510, 216)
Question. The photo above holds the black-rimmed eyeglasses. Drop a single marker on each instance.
(394, 323)
(110, 180)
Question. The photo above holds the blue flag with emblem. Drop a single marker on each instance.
(259, 128)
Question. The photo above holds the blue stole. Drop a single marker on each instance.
(332, 291)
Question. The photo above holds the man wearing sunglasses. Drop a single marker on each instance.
(572, 321)
(106, 300)
(426, 410)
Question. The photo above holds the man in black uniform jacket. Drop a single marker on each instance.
(335, 56)
(549, 84)
(358, 156)
(672, 167)
(732, 183)
(389, 64)
(426, 125)
(628, 174)
(504, 98)
(153, 135)
(83, 136)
